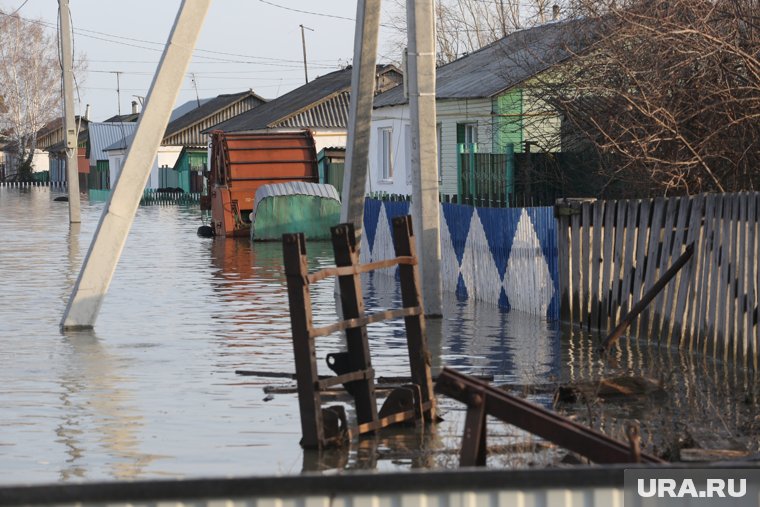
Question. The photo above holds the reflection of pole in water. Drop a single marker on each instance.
(94, 403)
(73, 257)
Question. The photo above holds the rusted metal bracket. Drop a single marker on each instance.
(483, 399)
(416, 402)
(639, 307)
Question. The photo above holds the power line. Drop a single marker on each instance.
(19, 8)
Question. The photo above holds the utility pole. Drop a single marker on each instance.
(71, 135)
(303, 43)
(420, 23)
(195, 85)
(118, 92)
(359, 113)
(119, 213)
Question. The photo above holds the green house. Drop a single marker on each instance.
(485, 103)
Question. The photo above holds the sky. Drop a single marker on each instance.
(243, 44)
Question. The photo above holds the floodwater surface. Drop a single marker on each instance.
(153, 392)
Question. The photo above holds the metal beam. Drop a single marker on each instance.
(119, 213)
(424, 143)
(360, 112)
(71, 134)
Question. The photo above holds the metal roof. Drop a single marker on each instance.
(319, 103)
(108, 135)
(295, 188)
(207, 109)
(503, 64)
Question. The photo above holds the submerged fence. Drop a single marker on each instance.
(613, 252)
(28, 184)
(504, 256)
(152, 196)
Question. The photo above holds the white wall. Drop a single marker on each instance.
(329, 138)
(167, 155)
(397, 119)
(449, 113)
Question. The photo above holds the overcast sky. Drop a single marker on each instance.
(261, 40)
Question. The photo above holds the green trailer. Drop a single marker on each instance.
(296, 206)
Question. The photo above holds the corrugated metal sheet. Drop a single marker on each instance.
(186, 130)
(105, 135)
(503, 64)
(332, 112)
(587, 487)
(299, 102)
(295, 188)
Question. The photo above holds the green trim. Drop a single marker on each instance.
(508, 121)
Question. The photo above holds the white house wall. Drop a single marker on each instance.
(449, 113)
(329, 138)
(397, 119)
(166, 156)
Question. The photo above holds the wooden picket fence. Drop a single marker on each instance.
(612, 252)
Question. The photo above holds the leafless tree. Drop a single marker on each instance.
(29, 83)
(464, 26)
(668, 96)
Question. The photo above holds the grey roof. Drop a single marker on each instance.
(503, 64)
(186, 108)
(295, 188)
(207, 109)
(108, 135)
(322, 102)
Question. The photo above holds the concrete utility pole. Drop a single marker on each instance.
(71, 135)
(426, 219)
(303, 43)
(360, 112)
(119, 213)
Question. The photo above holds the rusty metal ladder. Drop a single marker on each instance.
(325, 427)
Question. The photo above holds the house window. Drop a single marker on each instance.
(467, 134)
(386, 153)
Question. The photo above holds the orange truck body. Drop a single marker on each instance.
(241, 163)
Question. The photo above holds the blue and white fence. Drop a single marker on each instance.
(504, 256)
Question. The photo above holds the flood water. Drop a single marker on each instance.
(153, 392)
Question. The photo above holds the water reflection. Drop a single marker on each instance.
(95, 398)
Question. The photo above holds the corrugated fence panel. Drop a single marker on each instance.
(504, 256)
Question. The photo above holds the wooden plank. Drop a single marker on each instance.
(687, 276)
(700, 320)
(655, 229)
(642, 240)
(416, 337)
(714, 278)
(752, 285)
(609, 242)
(630, 250)
(732, 340)
(585, 263)
(357, 343)
(563, 250)
(756, 314)
(721, 337)
(575, 252)
(677, 245)
(617, 259)
(666, 244)
(299, 300)
(741, 277)
(596, 259)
